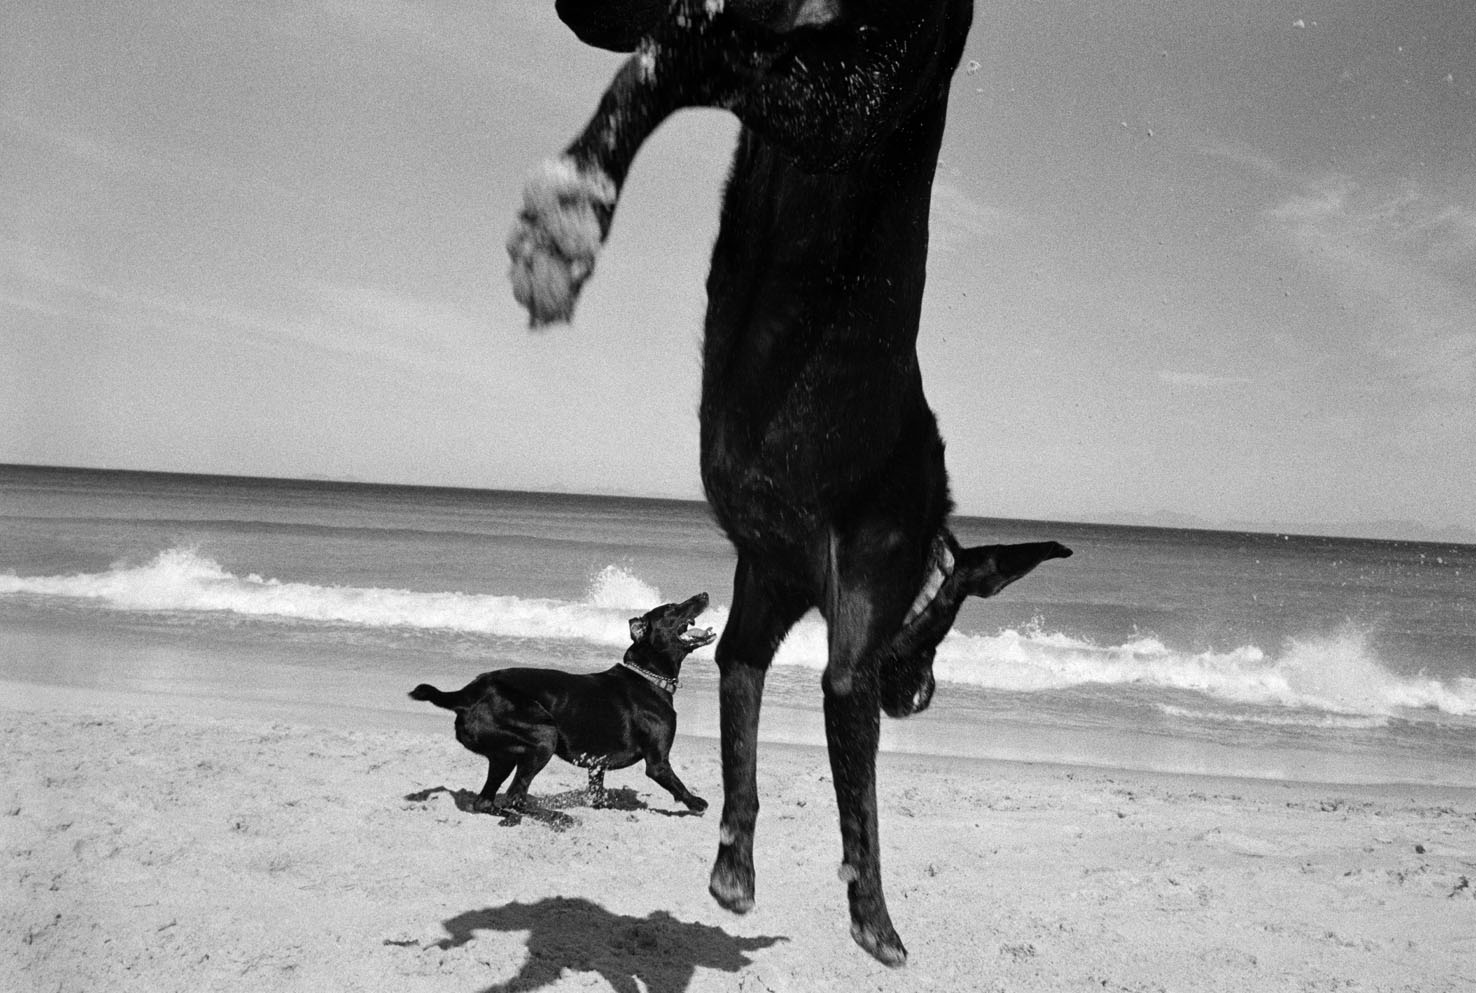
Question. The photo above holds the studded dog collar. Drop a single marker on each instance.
(940, 567)
(660, 682)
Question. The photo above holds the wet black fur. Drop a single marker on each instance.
(819, 453)
(521, 718)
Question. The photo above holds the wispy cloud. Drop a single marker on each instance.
(89, 148)
(1246, 157)
(383, 18)
(94, 146)
(1200, 380)
(1405, 222)
(356, 321)
(958, 220)
(1407, 258)
(52, 284)
(405, 35)
(360, 319)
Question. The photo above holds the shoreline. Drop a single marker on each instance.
(161, 842)
(333, 698)
(84, 704)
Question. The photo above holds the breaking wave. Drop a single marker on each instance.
(181, 579)
(1336, 674)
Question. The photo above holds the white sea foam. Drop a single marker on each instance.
(616, 588)
(1290, 719)
(1336, 673)
(181, 579)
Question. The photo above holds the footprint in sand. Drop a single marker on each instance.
(1241, 844)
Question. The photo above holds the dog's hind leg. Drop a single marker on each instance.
(762, 614)
(864, 603)
(499, 767)
(852, 729)
(542, 744)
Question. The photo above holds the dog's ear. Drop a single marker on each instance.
(638, 628)
(987, 569)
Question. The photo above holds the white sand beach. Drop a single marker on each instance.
(155, 843)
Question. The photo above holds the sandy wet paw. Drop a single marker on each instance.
(553, 245)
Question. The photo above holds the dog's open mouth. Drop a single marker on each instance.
(693, 637)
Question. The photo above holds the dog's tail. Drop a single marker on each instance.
(428, 693)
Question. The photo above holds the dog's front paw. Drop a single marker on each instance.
(696, 804)
(566, 212)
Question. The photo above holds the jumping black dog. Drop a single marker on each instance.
(521, 718)
(819, 454)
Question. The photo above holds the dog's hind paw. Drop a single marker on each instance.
(731, 888)
(566, 212)
(881, 943)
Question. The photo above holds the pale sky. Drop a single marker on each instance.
(1189, 258)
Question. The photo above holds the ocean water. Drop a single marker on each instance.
(1273, 656)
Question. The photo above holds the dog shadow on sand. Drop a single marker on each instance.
(573, 934)
(548, 810)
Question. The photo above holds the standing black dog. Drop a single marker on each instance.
(521, 718)
(820, 456)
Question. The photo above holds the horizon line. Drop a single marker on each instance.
(1435, 534)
